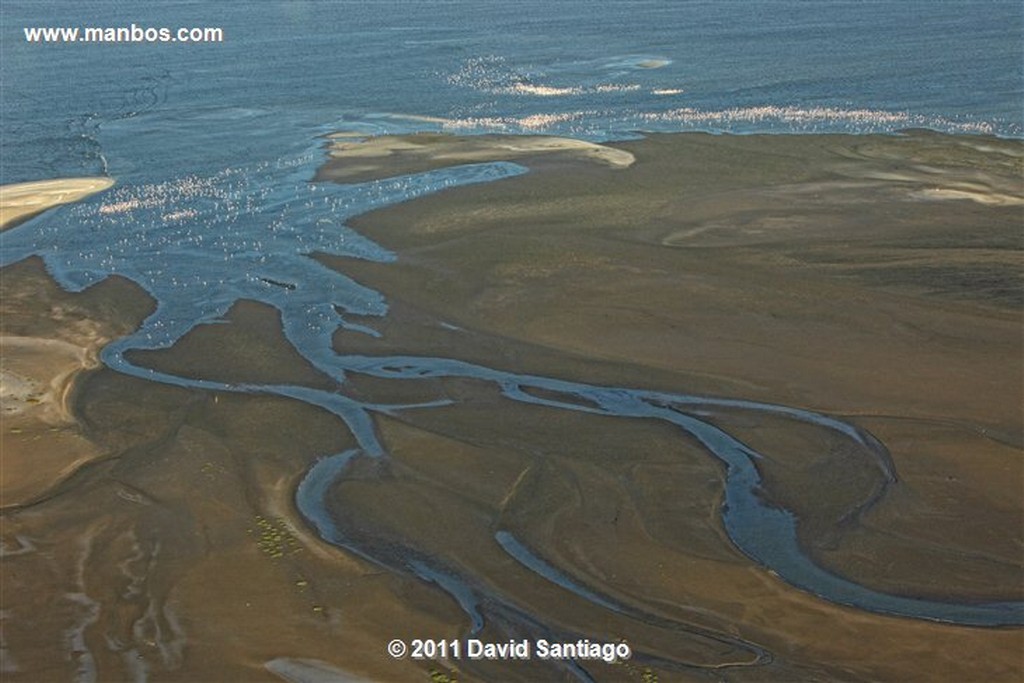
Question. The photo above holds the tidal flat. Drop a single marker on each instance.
(872, 280)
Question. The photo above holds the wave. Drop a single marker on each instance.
(598, 124)
(802, 118)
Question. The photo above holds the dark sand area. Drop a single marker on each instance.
(877, 279)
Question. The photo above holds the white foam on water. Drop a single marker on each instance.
(803, 118)
(540, 90)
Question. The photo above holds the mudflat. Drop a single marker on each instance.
(873, 278)
(876, 279)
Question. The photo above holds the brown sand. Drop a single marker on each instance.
(831, 273)
(48, 340)
(40, 441)
(809, 271)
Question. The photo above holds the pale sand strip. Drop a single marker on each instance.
(20, 201)
(981, 196)
(372, 158)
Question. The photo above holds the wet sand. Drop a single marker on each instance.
(847, 275)
(48, 341)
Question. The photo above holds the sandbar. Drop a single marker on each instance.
(354, 160)
(21, 201)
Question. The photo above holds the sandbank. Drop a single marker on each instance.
(354, 160)
(21, 201)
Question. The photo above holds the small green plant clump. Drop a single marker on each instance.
(437, 676)
(646, 675)
(273, 537)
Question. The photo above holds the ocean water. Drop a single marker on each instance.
(213, 147)
(598, 70)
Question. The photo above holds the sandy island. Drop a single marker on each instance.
(356, 159)
(846, 274)
(21, 201)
